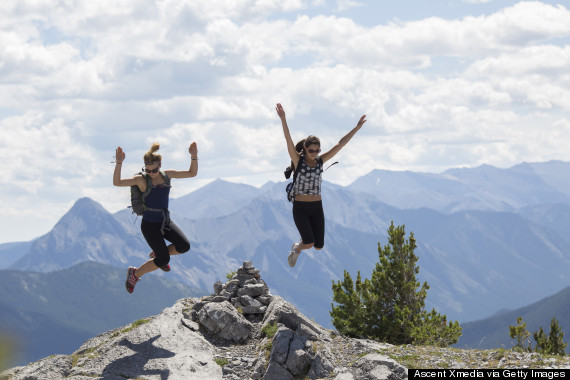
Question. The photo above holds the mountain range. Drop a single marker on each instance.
(488, 238)
(484, 188)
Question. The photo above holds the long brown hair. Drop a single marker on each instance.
(151, 157)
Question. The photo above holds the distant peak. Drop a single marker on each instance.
(85, 206)
(86, 202)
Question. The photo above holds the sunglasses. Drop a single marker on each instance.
(313, 151)
(145, 170)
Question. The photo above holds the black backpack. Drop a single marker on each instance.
(138, 197)
(290, 185)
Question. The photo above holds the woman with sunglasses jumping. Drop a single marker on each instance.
(307, 204)
(156, 224)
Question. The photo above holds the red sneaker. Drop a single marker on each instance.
(131, 279)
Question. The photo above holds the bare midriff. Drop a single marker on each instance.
(307, 198)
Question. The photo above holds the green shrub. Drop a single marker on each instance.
(269, 330)
(389, 306)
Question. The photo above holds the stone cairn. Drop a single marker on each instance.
(235, 305)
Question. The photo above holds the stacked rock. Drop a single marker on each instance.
(246, 291)
(228, 312)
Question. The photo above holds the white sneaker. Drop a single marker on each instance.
(293, 255)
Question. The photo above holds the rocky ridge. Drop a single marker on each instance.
(241, 331)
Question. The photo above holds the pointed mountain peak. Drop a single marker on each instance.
(86, 232)
(85, 208)
(87, 203)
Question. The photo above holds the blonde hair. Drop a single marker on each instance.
(150, 157)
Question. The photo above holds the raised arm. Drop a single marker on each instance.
(290, 145)
(335, 149)
(193, 170)
(117, 181)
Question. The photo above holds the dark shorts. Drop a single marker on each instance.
(310, 221)
(155, 239)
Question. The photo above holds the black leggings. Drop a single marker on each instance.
(155, 239)
(310, 221)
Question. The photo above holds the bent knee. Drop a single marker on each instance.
(182, 248)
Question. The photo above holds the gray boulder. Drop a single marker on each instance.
(280, 345)
(265, 300)
(281, 311)
(218, 287)
(223, 320)
(254, 309)
(276, 371)
(380, 367)
(249, 301)
(298, 358)
(253, 290)
(321, 366)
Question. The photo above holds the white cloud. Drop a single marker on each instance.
(42, 150)
(86, 77)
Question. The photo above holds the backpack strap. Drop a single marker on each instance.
(297, 168)
(149, 183)
(165, 178)
(292, 183)
(148, 186)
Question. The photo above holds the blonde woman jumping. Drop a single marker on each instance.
(156, 225)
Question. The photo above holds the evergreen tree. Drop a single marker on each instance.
(520, 333)
(390, 306)
(552, 344)
(541, 339)
(349, 313)
(435, 331)
(556, 345)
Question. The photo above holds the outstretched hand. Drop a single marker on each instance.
(119, 155)
(361, 121)
(280, 111)
(193, 149)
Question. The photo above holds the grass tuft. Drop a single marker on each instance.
(269, 330)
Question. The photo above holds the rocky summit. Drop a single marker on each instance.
(239, 332)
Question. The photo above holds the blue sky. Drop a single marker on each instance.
(444, 84)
